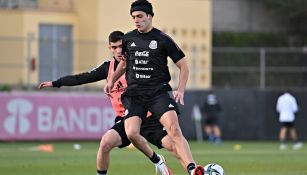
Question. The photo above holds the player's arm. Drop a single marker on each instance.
(45, 84)
(183, 79)
(120, 70)
(178, 57)
(94, 75)
(278, 108)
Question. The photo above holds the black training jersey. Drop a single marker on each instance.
(146, 56)
(99, 73)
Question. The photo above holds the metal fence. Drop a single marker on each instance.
(231, 67)
(21, 65)
(259, 67)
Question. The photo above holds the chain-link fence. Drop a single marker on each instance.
(259, 67)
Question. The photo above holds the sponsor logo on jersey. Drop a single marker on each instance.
(153, 44)
(170, 106)
(142, 76)
(143, 68)
(141, 61)
(132, 44)
(142, 54)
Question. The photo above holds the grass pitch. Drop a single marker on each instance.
(237, 158)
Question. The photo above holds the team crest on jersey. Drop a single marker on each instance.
(153, 44)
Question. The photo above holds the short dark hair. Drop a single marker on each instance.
(115, 36)
(142, 5)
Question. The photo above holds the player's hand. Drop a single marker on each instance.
(178, 95)
(45, 84)
(108, 87)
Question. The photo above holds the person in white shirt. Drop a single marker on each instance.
(287, 107)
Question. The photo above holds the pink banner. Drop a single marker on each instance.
(54, 116)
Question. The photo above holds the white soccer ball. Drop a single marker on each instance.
(213, 169)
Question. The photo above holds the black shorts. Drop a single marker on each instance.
(151, 130)
(119, 127)
(288, 124)
(210, 121)
(157, 104)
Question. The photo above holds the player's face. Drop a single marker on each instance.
(116, 49)
(142, 21)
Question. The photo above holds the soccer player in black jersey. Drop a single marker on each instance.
(116, 136)
(145, 51)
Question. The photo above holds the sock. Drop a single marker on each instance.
(211, 138)
(155, 158)
(104, 172)
(191, 167)
(218, 140)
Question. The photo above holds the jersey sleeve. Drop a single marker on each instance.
(173, 50)
(96, 74)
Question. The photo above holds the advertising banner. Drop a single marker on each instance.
(54, 116)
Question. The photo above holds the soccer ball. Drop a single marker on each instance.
(213, 169)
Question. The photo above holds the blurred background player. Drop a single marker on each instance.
(211, 109)
(287, 107)
(116, 136)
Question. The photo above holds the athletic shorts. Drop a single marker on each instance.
(287, 124)
(119, 127)
(151, 130)
(157, 104)
(210, 121)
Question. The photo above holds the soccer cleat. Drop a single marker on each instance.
(162, 167)
(283, 146)
(199, 170)
(297, 145)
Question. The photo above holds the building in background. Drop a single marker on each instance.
(245, 16)
(44, 39)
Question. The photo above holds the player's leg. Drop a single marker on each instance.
(209, 129)
(115, 137)
(282, 137)
(206, 127)
(109, 141)
(168, 144)
(217, 134)
(153, 132)
(170, 121)
(293, 134)
(209, 133)
(133, 128)
(164, 106)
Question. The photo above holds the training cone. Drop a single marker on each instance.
(46, 148)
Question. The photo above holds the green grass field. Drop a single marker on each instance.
(254, 158)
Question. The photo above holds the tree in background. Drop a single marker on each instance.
(295, 13)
